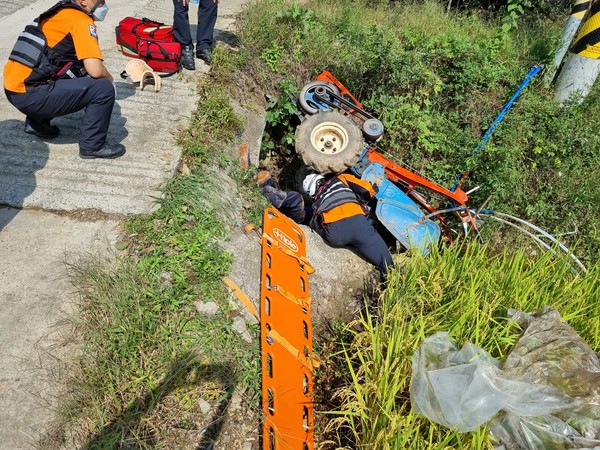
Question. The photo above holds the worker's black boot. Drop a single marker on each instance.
(204, 55)
(108, 151)
(187, 57)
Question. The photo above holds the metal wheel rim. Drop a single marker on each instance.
(329, 138)
(307, 101)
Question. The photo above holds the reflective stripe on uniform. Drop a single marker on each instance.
(335, 193)
(29, 47)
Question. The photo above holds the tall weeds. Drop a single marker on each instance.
(466, 291)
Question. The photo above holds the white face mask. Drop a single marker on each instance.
(100, 12)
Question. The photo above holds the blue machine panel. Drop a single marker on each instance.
(400, 215)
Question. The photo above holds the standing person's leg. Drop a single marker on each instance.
(207, 18)
(183, 35)
(181, 23)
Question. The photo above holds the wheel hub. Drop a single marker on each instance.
(329, 138)
(312, 95)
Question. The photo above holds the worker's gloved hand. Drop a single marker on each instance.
(375, 187)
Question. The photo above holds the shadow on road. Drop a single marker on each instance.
(184, 372)
(225, 36)
(6, 215)
(117, 130)
(21, 156)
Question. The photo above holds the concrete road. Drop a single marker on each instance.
(7, 7)
(50, 175)
(38, 179)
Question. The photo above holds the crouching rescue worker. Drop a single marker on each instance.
(340, 216)
(56, 68)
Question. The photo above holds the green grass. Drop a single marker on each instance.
(466, 291)
(436, 80)
(147, 356)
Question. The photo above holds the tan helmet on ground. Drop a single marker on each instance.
(140, 72)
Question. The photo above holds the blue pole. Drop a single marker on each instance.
(488, 134)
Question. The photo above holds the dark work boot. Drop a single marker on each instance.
(41, 128)
(108, 151)
(204, 55)
(187, 57)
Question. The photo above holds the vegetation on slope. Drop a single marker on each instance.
(466, 291)
(437, 81)
(436, 77)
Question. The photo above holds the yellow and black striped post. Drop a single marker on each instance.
(578, 12)
(587, 42)
(582, 66)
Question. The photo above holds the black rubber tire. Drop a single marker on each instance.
(342, 142)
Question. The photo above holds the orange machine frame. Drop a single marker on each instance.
(396, 173)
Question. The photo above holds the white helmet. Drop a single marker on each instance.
(311, 182)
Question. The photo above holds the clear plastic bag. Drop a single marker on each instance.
(546, 395)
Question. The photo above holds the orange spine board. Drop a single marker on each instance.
(286, 336)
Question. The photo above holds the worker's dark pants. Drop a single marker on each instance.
(289, 203)
(358, 233)
(96, 95)
(207, 17)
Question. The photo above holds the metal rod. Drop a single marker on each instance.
(501, 217)
(460, 179)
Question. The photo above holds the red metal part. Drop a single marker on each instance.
(396, 173)
(346, 94)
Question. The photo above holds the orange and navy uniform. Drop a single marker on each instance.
(362, 189)
(72, 36)
(339, 217)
